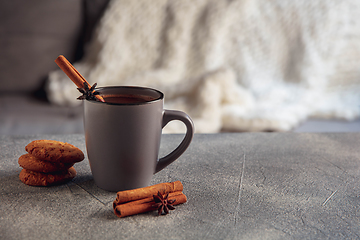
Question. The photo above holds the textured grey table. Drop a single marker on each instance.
(239, 186)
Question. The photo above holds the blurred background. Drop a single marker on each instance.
(232, 65)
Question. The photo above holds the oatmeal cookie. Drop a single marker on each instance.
(33, 178)
(32, 163)
(55, 151)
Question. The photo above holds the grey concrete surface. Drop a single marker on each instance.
(239, 186)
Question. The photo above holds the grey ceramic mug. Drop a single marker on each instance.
(123, 139)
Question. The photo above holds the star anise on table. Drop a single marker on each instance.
(88, 94)
(163, 204)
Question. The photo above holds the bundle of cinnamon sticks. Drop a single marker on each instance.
(141, 200)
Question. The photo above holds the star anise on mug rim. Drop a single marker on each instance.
(88, 94)
(163, 204)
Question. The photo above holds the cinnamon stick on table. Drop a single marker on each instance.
(139, 193)
(73, 74)
(145, 205)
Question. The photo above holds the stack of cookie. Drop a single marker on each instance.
(49, 162)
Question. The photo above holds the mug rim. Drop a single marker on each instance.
(161, 95)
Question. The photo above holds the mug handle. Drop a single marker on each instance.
(168, 116)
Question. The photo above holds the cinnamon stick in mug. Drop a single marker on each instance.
(73, 74)
(145, 192)
(70, 71)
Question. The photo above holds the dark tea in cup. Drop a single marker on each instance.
(127, 98)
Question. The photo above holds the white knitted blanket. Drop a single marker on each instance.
(233, 65)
